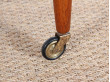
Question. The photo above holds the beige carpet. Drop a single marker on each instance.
(26, 24)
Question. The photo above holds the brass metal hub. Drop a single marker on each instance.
(63, 39)
(50, 48)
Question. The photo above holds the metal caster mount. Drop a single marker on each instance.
(54, 47)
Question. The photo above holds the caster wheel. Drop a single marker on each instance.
(47, 49)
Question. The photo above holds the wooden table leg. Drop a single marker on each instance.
(62, 9)
(54, 47)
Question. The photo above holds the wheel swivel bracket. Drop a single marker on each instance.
(63, 39)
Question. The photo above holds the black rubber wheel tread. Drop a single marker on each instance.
(45, 46)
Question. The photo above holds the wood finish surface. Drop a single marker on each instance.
(62, 9)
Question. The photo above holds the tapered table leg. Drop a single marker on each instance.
(62, 10)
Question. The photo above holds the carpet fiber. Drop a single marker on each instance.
(26, 24)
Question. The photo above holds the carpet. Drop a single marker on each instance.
(26, 24)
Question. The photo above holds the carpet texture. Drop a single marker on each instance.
(26, 24)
